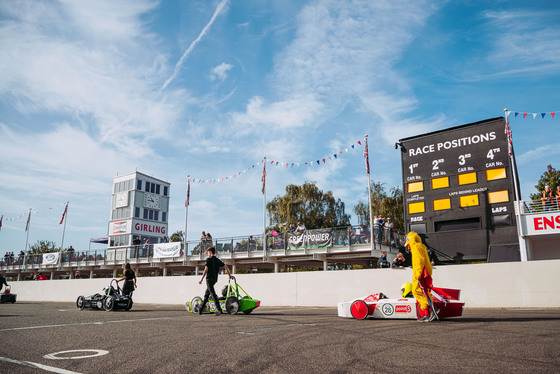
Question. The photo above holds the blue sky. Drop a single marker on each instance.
(207, 88)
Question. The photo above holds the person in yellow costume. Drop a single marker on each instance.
(421, 275)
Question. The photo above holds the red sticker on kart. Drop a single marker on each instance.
(403, 309)
(372, 298)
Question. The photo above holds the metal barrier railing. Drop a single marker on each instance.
(342, 237)
(539, 207)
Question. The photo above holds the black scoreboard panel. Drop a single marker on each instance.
(459, 192)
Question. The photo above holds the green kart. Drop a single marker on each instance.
(232, 301)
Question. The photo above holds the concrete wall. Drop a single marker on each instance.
(515, 284)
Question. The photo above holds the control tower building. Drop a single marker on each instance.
(139, 207)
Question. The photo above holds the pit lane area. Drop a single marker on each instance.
(56, 337)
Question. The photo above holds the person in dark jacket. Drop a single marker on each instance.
(129, 280)
(399, 262)
(211, 271)
(383, 262)
(3, 282)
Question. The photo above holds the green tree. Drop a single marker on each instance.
(382, 203)
(307, 204)
(551, 177)
(43, 246)
(177, 236)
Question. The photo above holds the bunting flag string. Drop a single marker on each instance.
(23, 215)
(284, 164)
(529, 114)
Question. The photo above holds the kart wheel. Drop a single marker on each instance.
(129, 305)
(359, 309)
(211, 306)
(108, 303)
(232, 305)
(195, 303)
(81, 303)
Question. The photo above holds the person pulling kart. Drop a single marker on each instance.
(129, 280)
(421, 277)
(211, 271)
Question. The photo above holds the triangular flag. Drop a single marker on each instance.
(516, 114)
(524, 115)
(552, 114)
(543, 114)
(535, 115)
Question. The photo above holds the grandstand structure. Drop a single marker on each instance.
(246, 253)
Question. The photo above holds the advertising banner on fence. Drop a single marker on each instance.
(50, 258)
(310, 239)
(162, 250)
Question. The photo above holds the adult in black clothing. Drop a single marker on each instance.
(136, 243)
(3, 282)
(129, 280)
(211, 271)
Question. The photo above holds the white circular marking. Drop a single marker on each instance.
(96, 352)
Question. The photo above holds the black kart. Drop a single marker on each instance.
(112, 298)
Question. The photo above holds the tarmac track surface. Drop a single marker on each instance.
(167, 339)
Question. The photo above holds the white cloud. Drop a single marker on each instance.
(220, 72)
(544, 152)
(103, 77)
(521, 41)
(341, 60)
(291, 113)
(77, 162)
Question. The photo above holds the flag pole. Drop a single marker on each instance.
(371, 236)
(27, 229)
(187, 202)
(522, 245)
(264, 206)
(64, 217)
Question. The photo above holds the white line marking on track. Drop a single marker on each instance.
(83, 324)
(256, 332)
(96, 352)
(38, 366)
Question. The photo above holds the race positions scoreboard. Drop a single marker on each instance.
(459, 191)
